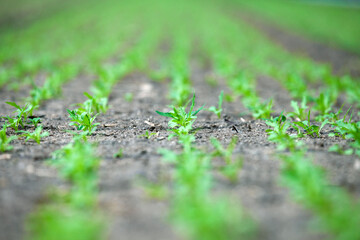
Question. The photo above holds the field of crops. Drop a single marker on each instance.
(164, 119)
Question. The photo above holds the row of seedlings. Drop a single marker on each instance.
(75, 213)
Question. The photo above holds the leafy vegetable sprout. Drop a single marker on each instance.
(34, 121)
(278, 133)
(82, 121)
(299, 112)
(309, 129)
(340, 150)
(69, 220)
(78, 162)
(12, 122)
(261, 110)
(94, 104)
(119, 153)
(323, 104)
(102, 88)
(233, 166)
(349, 130)
(22, 115)
(333, 118)
(181, 122)
(217, 110)
(36, 135)
(147, 134)
(5, 140)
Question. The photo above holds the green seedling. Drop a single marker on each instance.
(82, 121)
(299, 112)
(232, 166)
(192, 206)
(180, 90)
(36, 135)
(340, 150)
(22, 114)
(295, 84)
(34, 121)
(309, 129)
(220, 150)
(229, 98)
(119, 153)
(349, 130)
(50, 89)
(278, 133)
(13, 122)
(102, 88)
(335, 117)
(147, 134)
(5, 140)
(331, 205)
(71, 222)
(129, 97)
(261, 110)
(37, 95)
(94, 104)
(217, 110)
(342, 126)
(243, 84)
(78, 162)
(324, 103)
(181, 122)
(346, 130)
(81, 136)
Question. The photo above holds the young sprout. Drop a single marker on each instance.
(82, 121)
(311, 130)
(5, 140)
(340, 150)
(324, 103)
(12, 122)
(299, 111)
(349, 130)
(34, 121)
(36, 95)
(233, 166)
(181, 122)
(180, 90)
(36, 135)
(217, 110)
(78, 163)
(261, 110)
(102, 88)
(229, 98)
(333, 118)
(279, 135)
(94, 104)
(22, 114)
(147, 134)
(119, 153)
